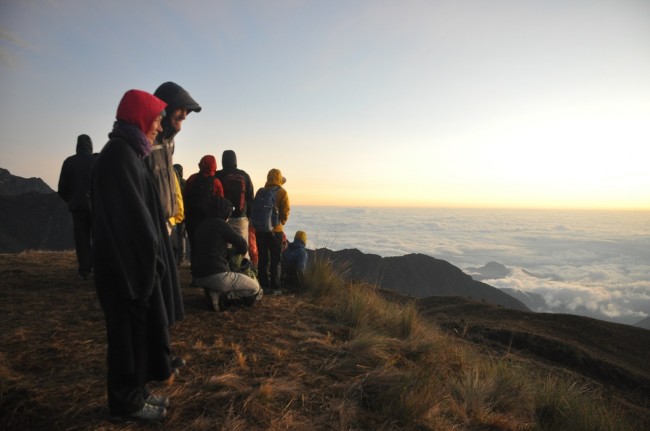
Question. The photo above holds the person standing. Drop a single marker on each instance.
(179, 105)
(238, 189)
(74, 188)
(134, 262)
(269, 244)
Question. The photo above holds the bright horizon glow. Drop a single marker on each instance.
(469, 104)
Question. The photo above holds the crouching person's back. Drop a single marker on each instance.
(210, 259)
(294, 263)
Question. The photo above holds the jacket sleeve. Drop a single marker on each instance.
(283, 205)
(180, 214)
(250, 195)
(63, 188)
(230, 235)
(217, 188)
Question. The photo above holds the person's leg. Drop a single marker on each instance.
(275, 252)
(263, 239)
(82, 226)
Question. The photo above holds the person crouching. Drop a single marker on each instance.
(210, 266)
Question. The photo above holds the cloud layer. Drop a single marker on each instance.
(588, 263)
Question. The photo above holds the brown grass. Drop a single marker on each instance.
(350, 361)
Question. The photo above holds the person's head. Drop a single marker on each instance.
(300, 236)
(219, 207)
(275, 178)
(229, 159)
(208, 165)
(179, 105)
(143, 110)
(84, 144)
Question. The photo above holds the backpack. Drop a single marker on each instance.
(234, 189)
(264, 215)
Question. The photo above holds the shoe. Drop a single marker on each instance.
(147, 414)
(178, 362)
(157, 400)
(277, 292)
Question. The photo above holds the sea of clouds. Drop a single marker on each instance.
(591, 263)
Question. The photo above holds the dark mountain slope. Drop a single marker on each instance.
(417, 275)
(11, 185)
(608, 352)
(34, 221)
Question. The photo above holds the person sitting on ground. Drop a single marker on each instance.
(210, 258)
(294, 262)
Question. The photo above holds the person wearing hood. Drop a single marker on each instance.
(135, 272)
(210, 258)
(294, 261)
(74, 189)
(238, 189)
(199, 187)
(269, 244)
(179, 105)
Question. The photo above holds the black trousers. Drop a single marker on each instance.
(82, 227)
(269, 249)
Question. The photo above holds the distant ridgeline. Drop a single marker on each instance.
(32, 216)
(417, 275)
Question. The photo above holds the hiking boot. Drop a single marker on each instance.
(147, 414)
(157, 400)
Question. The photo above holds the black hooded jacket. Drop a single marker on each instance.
(74, 181)
(229, 163)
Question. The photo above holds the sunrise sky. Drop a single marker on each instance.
(511, 103)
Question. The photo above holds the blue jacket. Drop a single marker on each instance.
(295, 256)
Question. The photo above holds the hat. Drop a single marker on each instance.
(300, 235)
(176, 97)
(140, 109)
(275, 177)
(219, 207)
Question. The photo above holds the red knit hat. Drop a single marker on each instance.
(140, 108)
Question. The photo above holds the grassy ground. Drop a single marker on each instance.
(338, 358)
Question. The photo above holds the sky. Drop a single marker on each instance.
(500, 103)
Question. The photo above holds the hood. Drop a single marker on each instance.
(275, 178)
(176, 97)
(229, 160)
(219, 207)
(140, 109)
(300, 236)
(208, 165)
(84, 144)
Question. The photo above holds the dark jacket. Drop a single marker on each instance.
(295, 256)
(74, 181)
(198, 190)
(133, 255)
(160, 160)
(229, 163)
(210, 247)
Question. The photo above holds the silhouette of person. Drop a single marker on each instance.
(74, 188)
